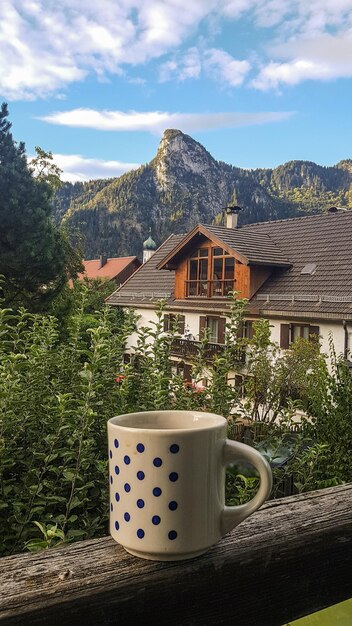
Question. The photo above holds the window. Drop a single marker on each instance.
(171, 320)
(248, 329)
(211, 273)
(299, 331)
(215, 326)
(223, 273)
(182, 369)
(240, 385)
(198, 273)
(289, 333)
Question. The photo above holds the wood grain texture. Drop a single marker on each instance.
(242, 280)
(180, 278)
(290, 558)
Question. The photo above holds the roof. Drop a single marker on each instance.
(323, 240)
(148, 284)
(112, 268)
(251, 248)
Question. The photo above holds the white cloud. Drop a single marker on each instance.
(158, 121)
(46, 45)
(182, 67)
(322, 58)
(167, 70)
(215, 63)
(77, 168)
(191, 65)
(225, 68)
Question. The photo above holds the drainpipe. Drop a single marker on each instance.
(345, 348)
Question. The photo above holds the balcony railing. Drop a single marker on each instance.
(209, 288)
(186, 348)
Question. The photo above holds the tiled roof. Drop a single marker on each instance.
(111, 269)
(148, 284)
(323, 240)
(256, 247)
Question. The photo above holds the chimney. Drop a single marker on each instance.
(103, 259)
(232, 216)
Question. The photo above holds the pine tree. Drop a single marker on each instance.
(36, 258)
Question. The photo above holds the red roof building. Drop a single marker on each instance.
(117, 269)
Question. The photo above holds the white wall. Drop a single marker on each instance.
(145, 317)
(325, 329)
(192, 326)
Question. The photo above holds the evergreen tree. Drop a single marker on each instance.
(36, 257)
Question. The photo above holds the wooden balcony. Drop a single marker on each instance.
(287, 560)
(209, 288)
(187, 349)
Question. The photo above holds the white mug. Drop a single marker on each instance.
(167, 482)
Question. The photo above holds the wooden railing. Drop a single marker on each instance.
(186, 348)
(289, 559)
(209, 288)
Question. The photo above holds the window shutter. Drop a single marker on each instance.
(314, 330)
(181, 324)
(284, 336)
(238, 381)
(202, 326)
(221, 330)
(240, 331)
(166, 322)
(187, 369)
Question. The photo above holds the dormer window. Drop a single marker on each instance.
(223, 273)
(198, 273)
(211, 273)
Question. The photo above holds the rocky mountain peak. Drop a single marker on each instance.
(184, 185)
(179, 153)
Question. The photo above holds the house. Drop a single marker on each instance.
(294, 272)
(118, 269)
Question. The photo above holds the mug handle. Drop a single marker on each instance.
(234, 451)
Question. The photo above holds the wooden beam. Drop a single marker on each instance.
(291, 558)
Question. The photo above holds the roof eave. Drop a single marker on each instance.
(166, 262)
(282, 264)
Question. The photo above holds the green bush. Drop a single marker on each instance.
(59, 384)
(55, 399)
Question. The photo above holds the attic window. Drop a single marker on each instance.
(200, 252)
(309, 269)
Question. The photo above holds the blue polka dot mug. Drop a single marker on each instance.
(167, 482)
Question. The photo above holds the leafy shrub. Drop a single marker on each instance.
(55, 399)
(60, 384)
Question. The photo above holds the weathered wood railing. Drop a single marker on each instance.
(291, 558)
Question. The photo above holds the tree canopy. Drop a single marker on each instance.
(36, 256)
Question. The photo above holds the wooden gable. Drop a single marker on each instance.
(248, 278)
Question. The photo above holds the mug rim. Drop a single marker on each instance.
(212, 421)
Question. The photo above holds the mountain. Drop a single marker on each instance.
(184, 185)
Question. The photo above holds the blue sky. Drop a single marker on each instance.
(257, 82)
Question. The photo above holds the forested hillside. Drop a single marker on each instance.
(184, 185)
